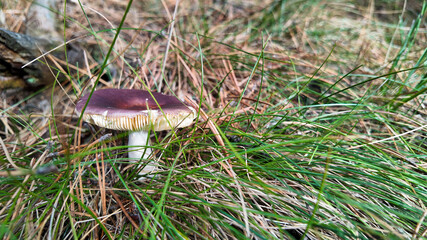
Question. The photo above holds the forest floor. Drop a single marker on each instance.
(311, 122)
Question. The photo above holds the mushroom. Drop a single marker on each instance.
(136, 111)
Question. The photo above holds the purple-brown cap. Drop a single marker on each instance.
(135, 110)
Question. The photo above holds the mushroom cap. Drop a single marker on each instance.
(135, 110)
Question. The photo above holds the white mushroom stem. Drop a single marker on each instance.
(139, 149)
